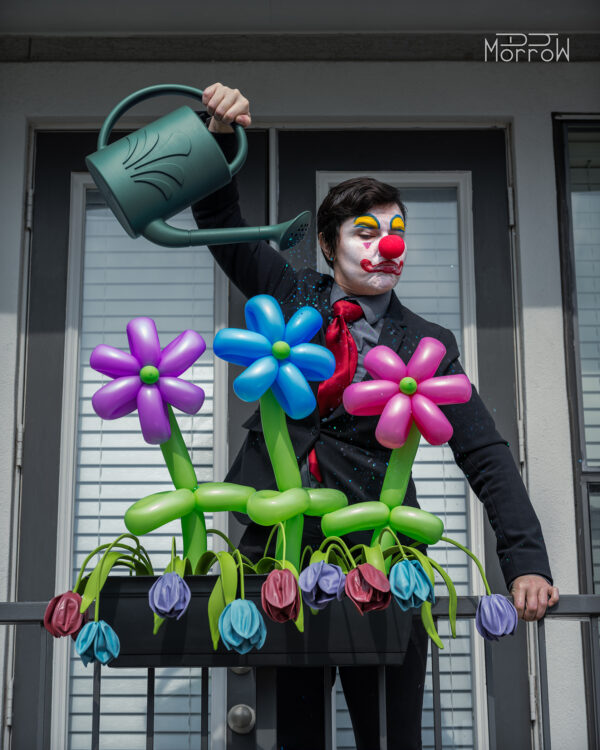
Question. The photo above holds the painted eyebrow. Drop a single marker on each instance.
(366, 220)
(397, 222)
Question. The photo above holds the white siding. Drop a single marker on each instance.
(122, 279)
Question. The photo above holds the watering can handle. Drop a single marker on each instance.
(162, 90)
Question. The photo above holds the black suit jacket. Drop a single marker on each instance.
(349, 456)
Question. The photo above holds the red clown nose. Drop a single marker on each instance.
(391, 246)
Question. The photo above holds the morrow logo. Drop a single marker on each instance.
(521, 47)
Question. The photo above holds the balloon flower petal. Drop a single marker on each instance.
(432, 424)
(314, 362)
(143, 341)
(293, 393)
(446, 389)
(368, 398)
(113, 362)
(181, 353)
(394, 424)
(426, 359)
(154, 419)
(117, 398)
(256, 379)
(382, 363)
(263, 315)
(304, 324)
(184, 396)
(241, 347)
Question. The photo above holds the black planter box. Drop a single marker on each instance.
(338, 635)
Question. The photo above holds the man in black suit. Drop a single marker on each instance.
(341, 449)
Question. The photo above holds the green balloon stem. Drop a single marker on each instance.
(398, 471)
(241, 569)
(285, 468)
(473, 557)
(339, 542)
(183, 476)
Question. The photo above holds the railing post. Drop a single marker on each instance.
(382, 707)
(96, 706)
(204, 710)
(41, 722)
(150, 709)
(437, 695)
(266, 708)
(543, 664)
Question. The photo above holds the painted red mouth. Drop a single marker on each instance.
(386, 266)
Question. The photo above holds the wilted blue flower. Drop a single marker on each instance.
(276, 355)
(321, 583)
(242, 627)
(410, 584)
(97, 641)
(496, 616)
(169, 596)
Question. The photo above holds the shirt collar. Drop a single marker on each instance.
(373, 305)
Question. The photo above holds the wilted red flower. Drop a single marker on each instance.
(280, 596)
(368, 588)
(62, 615)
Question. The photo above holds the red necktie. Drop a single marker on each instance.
(339, 340)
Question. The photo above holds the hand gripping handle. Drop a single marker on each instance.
(163, 90)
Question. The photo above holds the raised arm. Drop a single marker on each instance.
(254, 267)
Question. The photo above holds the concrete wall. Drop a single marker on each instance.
(391, 94)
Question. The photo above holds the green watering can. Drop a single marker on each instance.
(154, 173)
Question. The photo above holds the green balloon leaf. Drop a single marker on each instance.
(213, 497)
(158, 621)
(223, 593)
(355, 517)
(322, 500)
(268, 507)
(452, 598)
(417, 524)
(424, 560)
(429, 625)
(98, 578)
(154, 511)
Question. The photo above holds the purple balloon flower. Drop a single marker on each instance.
(496, 616)
(147, 379)
(321, 583)
(169, 596)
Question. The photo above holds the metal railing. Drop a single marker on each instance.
(585, 608)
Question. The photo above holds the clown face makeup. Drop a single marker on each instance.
(370, 254)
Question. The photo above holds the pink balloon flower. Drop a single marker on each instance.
(147, 378)
(406, 393)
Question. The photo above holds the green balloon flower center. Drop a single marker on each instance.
(149, 374)
(408, 386)
(280, 350)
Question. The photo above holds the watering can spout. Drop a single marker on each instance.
(286, 235)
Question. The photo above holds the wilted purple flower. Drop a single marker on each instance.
(280, 596)
(410, 584)
(97, 641)
(321, 583)
(147, 379)
(368, 588)
(496, 616)
(169, 596)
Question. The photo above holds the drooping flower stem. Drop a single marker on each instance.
(397, 477)
(285, 468)
(468, 552)
(339, 543)
(237, 554)
(183, 476)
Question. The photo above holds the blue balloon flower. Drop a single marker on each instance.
(242, 627)
(97, 641)
(169, 596)
(410, 585)
(277, 355)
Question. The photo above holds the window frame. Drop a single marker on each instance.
(583, 477)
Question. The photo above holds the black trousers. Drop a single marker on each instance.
(300, 691)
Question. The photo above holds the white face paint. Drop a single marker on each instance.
(358, 267)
